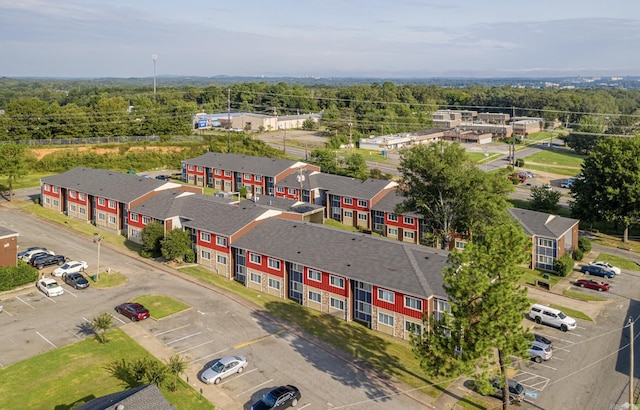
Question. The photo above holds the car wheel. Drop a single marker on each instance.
(537, 359)
(582, 285)
(81, 269)
(216, 381)
(564, 328)
(538, 320)
(599, 289)
(40, 267)
(59, 262)
(240, 369)
(134, 319)
(294, 402)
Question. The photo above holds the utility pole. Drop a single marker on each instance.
(284, 139)
(513, 137)
(154, 58)
(229, 120)
(350, 141)
(631, 342)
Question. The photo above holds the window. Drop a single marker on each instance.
(336, 281)
(280, 190)
(362, 203)
(255, 278)
(385, 319)
(362, 217)
(112, 204)
(258, 190)
(291, 191)
(348, 214)
(72, 194)
(190, 167)
(112, 219)
(46, 187)
(392, 217)
(255, 258)
(134, 217)
(227, 173)
(274, 284)
(199, 169)
(206, 255)
(409, 234)
(386, 295)
(412, 303)
(81, 196)
(258, 178)
(460, 244)
(546, 243)
(83, 210)
(408, 220)
(205, 237)
(56, 203)
(274, 263)
(227, 186)
(221, 259)
(315, 297)
(440, 307)
(47, 200)
(337, 303)
(314, 275)
(101, 201)
(72, 208)
(414, 328)
(146, 220)
(217, 172)
(545, 260)
(55, 189)
(392, 232)
(247, 176)
(221, 241)
(348, 201)
(101, 217)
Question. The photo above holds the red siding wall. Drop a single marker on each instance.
(398, 305)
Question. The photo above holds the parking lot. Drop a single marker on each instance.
(214, 326)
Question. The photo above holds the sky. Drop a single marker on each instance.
(319, 38)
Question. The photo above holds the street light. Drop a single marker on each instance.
(97, 238)
(631, 342)
(154, 58)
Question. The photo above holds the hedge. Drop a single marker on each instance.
(13, 276)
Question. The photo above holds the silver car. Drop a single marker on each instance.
(539, 352)
(223, 368)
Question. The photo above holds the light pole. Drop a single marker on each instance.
(631, 342)
(97, 239)
(154, 58)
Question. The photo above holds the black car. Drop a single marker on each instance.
(76, 280)
(47, 260)
(278, 398)
(163, 177)
(542, 339)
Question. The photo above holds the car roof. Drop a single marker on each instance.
(47, 280)
(228, 359)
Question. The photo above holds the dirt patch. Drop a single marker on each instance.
(40, 153)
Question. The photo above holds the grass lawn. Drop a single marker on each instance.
(108, 280)
(77, 373)
(582, 296)
(386, 353)
(576, 314)
(532, 276)
(474, 403)
(622, 263)
(161, 305)
(561, 162)
(27, 181)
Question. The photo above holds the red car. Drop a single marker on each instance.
(592, 284)
(134, 311)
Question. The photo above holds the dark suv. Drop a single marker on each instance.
(47, 260)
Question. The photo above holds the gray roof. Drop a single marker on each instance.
(147, 397)
(337, 184)
(389, 202)
(243, 163)
(219, 218)
(411, 269)
(104, 183)
(282, 204)
(5, 232)
(170, 203)
(542, 224)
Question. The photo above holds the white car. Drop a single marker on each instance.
(608, 266)
(49, 287)
(70, 267)
(539, 352)
(26, 256)
(223, 368)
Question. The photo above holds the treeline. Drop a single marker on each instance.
(59, 109)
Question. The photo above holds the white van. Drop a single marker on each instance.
(552, 317)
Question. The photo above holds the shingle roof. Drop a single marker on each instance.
(146, 397)
(350, 187)
(244, 163)
(282, 204)
(104, 183)
(411, 269)
(170, 203)
(219, 218)
(389, 202)
(4, 232)
(542, 224)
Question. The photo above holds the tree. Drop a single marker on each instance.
(609, 188)
(151, 236)
(12, 164)
(449, 191)
(177, 366)
(544, 199)
(357, 166)
(177, 246)
(486, 307)
(100, 324)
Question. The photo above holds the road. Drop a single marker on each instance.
(214, 326)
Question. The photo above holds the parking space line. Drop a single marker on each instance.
(548, 367)
(195, 347)
(305, 406)
(71, 293)
(239, 345)
(239, 376)
(209, 355)
(46, 340)
(9, 315)
(18, 297)
(183, 338)
(253, 388)
(172, 330)
(118, 319)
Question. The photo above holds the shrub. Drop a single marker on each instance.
(578, 254)
(564, 265)
(14, 276)
(519, 162)
(584, 245)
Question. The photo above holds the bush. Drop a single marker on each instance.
(564, 265)
(13, 276)
(519, 162)
(584, 245)
(577, 255)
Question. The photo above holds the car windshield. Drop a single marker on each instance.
(562, 315)
(65, 266)
(52, 285)
(217, 367)
(518, 388)
(269, 399)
